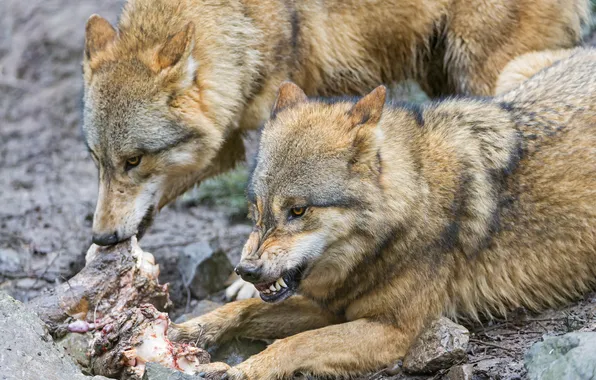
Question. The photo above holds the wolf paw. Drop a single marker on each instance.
(214, 371)
(241, 290)
(193, 331)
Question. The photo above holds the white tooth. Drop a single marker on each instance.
(277, 285)
(272, 287)
(282, 282)
(266, 291)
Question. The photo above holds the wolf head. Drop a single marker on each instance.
(142, 124)
(315, 186)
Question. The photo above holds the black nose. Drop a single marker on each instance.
(249, 272)
(105, 239)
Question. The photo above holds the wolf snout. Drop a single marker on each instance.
(249, 271)
(105, 239)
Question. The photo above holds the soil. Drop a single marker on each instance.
(48, 183)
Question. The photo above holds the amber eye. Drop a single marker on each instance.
(297, 212)
(132, 162)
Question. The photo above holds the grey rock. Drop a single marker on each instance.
(154, 371)
(236, 351)
(568, 357)
(204, 269)
(442, 345)
(460, 372)
(27, 351)
(77, 346)
(202, 307)
(9, 261)
(500, 368)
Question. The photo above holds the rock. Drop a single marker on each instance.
(238, 350)
(460, 372)
(500, 368)
(440, 346)
(77, 346)
(205, 270)
(202, 307)
(566, 357)
(154, 371)
(27, 351)
(9, 261)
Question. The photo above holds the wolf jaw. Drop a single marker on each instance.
(281, 289)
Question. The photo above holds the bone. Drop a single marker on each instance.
(130, 339)
(113, 279)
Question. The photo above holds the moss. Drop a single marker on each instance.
(224, 191)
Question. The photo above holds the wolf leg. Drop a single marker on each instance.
(253, 318)
(339, 350)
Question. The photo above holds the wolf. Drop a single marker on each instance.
(527, 65)
(170, 91)
(371, 220)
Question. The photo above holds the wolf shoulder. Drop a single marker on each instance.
(560, 77)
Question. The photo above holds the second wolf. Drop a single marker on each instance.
(383, 217)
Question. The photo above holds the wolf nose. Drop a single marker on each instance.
(105, 239)
(249, 272)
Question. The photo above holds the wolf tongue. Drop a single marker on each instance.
(261, 287)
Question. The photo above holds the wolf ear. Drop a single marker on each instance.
(365, 116)
(177, 47)
(288, 95)
(368, 110)
(98, 34)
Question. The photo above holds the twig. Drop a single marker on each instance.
(489, 328)
(187, 289)
(168, 245)
(489, 344)
(481, 359)
(37, 277)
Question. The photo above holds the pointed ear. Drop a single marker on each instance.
(98, 34)
(177, 47)
(365, 116)
(288, 95)
(368, 110)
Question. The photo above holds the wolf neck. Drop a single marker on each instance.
(443, 168)
(461, 151)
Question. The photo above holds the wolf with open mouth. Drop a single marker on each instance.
(383, 217)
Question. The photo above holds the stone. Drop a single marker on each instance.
(204, 269)
(77, 346)
(27, 351)
(460, 372)
(154, 371)
(237, 350)
(498, 368)
(9, 261)
(566, 357)
(202, 307)
(442, 345)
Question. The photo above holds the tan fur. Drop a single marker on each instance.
(461, 207)
(202, 71)
(525, 66)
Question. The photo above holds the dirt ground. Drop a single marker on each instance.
(48, 184)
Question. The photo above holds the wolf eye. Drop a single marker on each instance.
(297, 212)
(132, 162)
